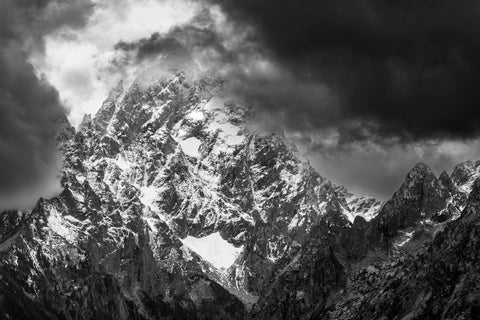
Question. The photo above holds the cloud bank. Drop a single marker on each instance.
(29, 105)
(410, 68)
(368, 87)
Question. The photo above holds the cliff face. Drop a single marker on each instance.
(440, 282)
(174, 208)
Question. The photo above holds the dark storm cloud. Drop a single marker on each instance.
(198, 37)
(29, 106)
(411, 67)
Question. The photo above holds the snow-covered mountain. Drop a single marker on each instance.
(175, 208)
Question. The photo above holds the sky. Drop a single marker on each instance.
(366, 88)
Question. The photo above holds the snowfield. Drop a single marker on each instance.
(214, 249)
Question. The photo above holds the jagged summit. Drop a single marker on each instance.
(420, 171)
(421, 198)
(418, 181)
(65, 131)
(444, 176)
(422, 166)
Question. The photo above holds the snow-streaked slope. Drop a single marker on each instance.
(195, 162)
(177, 159)
(465, 174)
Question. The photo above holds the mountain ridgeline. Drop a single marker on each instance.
(173, 207)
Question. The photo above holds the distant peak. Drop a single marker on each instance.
(444, 175)
(421, 169)
(422, 166)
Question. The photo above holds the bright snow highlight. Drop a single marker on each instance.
(214, 249)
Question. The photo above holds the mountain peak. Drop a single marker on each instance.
(65, 130)
(420, 197)
(420, 173)
(172, 57)
(421, 167)
(444, 175)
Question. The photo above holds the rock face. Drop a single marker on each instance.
(422, 200)
(304, 281)
(174, 208)
(441, 282)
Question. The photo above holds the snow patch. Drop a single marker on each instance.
(151, 224)
(61, 227)
(365, 207)
(122, 163)
(468, 186)
(293, 180)
(214, 249)
(405, 237)
(216, 103)
(186, 253)
(228, 136)
(78, 196)
(296, 221)
(370, 213)
(348, 214)
(196, 115)
(156, 114)
(72, 219)
(190, 146)
(228, 132)
(148, 195)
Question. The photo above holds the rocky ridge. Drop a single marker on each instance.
(173, 208)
